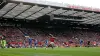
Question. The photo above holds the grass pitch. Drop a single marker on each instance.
(50, 52)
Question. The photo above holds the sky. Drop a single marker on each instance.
(87, 3)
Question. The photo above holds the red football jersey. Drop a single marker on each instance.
(52, 39)
(40, 43)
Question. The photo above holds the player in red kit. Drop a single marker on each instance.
(52, 40)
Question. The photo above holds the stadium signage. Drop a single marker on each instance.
(83, 8)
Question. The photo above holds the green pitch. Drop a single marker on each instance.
(50, 52)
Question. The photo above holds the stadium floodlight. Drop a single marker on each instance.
(59, 11)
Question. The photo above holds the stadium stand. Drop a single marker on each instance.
(16, 36)
(47, 28)
(68, 24)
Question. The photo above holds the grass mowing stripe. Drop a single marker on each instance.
(50, 52)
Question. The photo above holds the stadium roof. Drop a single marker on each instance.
(19, 9)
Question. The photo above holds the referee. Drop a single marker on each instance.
(3, 42)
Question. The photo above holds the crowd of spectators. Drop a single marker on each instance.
(15, 36)
(64, 35)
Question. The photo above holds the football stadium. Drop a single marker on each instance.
(47, 28)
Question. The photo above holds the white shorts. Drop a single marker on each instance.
(94, 44)
(52, 43)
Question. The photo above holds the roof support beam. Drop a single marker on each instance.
(9, 10)
(51, 11)
(83, 14)
(62, 12)
(73, 13)
(33, 13)
(23, 12)
(3, 4)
